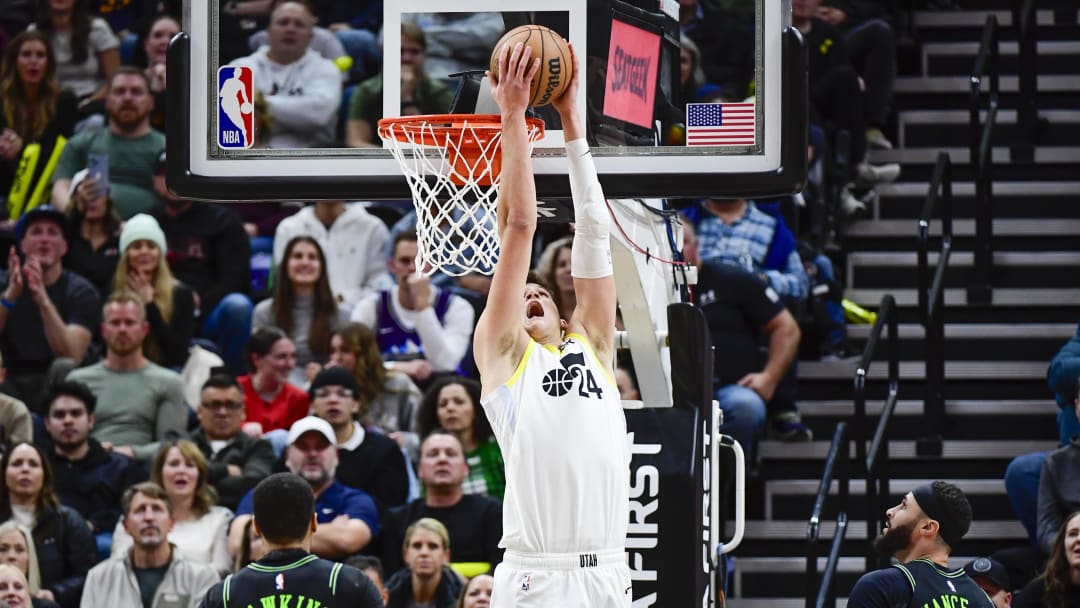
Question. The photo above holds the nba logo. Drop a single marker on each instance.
(236, 107)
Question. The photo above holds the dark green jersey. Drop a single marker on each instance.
(919, 583)
(293, 578)
(935, 587)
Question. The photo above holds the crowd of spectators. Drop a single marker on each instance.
(149, 384)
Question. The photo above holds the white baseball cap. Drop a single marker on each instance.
(312, 423)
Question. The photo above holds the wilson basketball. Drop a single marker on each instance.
(552, 50)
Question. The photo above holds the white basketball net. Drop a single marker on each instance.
(456, 224)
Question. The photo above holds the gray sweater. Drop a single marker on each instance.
(303, 313)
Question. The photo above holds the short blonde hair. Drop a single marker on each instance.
(431, 525)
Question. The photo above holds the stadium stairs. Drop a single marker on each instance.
(997, 402)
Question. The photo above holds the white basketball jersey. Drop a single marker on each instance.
(560, 425)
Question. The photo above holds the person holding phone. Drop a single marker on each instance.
(121, 156)
(46, 312)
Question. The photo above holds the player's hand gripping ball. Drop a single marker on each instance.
(556, 67)
(246, 107)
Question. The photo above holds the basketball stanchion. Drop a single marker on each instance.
(452, 163)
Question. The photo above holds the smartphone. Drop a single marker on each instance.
(98, 168)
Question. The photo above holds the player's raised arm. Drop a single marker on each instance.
(590, 257)
(500, 337)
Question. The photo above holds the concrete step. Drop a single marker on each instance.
(1001, 188)
(962, 156)
(791, 530)
(974, 18)
(962, 227)
(1007, 84)
(952, 449)
(955, 58)
(915, 370)
(978, 331)
(845, 408)
(957, 296)
(1012, 269)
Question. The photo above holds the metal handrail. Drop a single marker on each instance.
(1027, 103)
(826, 596)
(874, 463)
(987, 64)
(932, 301)
(837, 461)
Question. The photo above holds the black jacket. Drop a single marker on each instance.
(208, 251)
(66, 550)
(254, 456)
(93, 486)
(399, 586)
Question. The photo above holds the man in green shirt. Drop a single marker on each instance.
(128, 142)
(139, 403)
(420, 94)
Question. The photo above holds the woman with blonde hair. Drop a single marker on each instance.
(200, 527)
(14, 590)
(388, 399)
(426, 579)
(170, 305)
(17, 549)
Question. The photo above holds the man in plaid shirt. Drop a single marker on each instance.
(735, 231)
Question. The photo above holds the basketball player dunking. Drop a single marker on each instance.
(547, 383)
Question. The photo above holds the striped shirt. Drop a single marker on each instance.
(745, 243)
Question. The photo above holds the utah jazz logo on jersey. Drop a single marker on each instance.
(236, 107)
(561, 380)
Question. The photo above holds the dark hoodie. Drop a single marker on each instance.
(400, 589)
(93, 486)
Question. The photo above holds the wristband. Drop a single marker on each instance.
(6, 303)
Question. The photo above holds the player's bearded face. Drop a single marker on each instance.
(894, 539)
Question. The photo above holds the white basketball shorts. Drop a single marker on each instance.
(562, 580)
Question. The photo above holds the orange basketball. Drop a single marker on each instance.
(552, 50)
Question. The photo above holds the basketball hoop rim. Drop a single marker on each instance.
(432, 129)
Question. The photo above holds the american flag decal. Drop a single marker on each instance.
(721, 124)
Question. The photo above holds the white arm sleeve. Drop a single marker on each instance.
(590, 256)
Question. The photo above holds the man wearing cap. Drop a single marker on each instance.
(46, 312)
(370, 461)
(346, 516)
(992, 576)
(920, 533)
(129, 143)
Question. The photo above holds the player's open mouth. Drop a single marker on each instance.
(534, 309)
